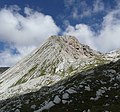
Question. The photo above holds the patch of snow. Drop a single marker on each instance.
(60, 67)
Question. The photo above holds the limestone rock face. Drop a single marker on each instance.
(113, 55)
(57, 58)
(62, 75)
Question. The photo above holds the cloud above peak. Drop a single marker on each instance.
(30, 29)
(24, 32)
(109, 35)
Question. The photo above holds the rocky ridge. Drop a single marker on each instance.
(56, 69)
(113, 55)
(57, 58)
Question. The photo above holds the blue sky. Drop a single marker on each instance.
(25, 24)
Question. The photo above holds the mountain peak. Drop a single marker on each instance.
(66, 38)
(71, 40)
(72, 46)
(61, 71)
(56, 59)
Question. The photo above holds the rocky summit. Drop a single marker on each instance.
(56, 59)
(62, 75)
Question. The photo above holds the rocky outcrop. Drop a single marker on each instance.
(94, 90)
(62, 75)
(57, 58)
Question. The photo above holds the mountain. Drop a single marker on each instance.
(57, 58)
(60, 75)
(113, 55)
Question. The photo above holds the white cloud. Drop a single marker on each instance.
(108, 38)
(82, 32)
(77, 8)
(8, 59)
(98, 6)
(76, 14)
(29, 30)
(69, 3)
(81, 8)
(24, 33)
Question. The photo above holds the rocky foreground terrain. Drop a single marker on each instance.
(62, 75)
(95, 90)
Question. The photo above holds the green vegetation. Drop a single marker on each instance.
(70, 69)
(0, 82)
(26, 76)
(98, 61)
(42, 72)
(87, 67)
(62, 73)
